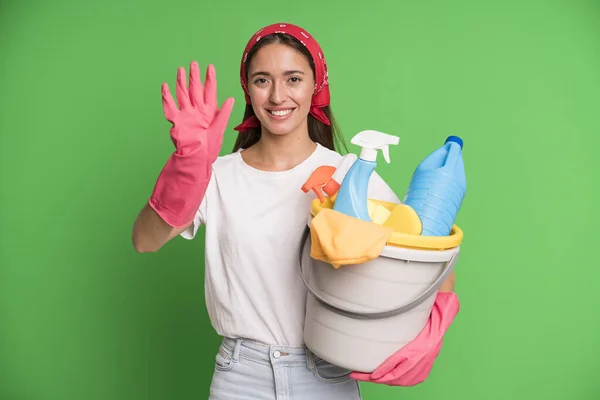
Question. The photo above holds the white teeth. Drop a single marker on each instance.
(280, 113)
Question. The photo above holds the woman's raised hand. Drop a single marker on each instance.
(197, 122)
(197, 132)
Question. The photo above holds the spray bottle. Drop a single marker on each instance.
(352, 196)
(333, 185)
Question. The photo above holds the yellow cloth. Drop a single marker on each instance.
(341, 240)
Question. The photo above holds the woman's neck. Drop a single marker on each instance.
(279, 152)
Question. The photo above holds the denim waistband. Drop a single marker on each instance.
(258, 351)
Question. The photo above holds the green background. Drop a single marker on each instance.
(83, 138)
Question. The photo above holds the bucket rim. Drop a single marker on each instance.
(343, 310)
(399, 239)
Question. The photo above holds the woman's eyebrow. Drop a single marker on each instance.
(294, 71)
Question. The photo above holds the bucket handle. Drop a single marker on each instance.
(379, 314)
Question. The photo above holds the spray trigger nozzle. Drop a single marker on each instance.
(386, 153)
(318, 179)
(371, 141)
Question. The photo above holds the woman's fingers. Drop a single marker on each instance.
(224, 113)
(183, 96)
(210, 88)
(201, 97)
(169, 106)
(196, 96)
(220, 122)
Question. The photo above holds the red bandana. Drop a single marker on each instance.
(321, 95)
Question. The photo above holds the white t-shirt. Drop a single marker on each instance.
(254, 222)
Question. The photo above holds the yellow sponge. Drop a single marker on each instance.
(404, 219)
(378, 213)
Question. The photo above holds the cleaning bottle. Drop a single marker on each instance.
(334, 184)
(318, 179)
(437, 188)
(352, 196)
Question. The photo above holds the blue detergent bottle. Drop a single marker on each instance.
(352, 196)
(437, 188)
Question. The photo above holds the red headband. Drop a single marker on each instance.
(320, 96)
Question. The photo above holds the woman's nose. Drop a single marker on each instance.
(277, 93)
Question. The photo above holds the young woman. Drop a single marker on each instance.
(254, 212)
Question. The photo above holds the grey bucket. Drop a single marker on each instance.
(359, 315)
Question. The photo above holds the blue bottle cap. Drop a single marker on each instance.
(454, 139)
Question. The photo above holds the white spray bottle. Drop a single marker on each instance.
(334, 184)
(352, 196)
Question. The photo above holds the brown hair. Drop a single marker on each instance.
(327, 135)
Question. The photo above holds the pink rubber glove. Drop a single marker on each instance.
(411, 364)
(197, 133)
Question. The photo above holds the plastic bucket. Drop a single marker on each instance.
(359, 315)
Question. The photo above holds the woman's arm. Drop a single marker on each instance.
(449, 283)
(151, 232)
(197, 132)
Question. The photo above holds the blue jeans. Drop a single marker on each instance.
(246, 370)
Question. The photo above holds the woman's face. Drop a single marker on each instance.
(281, 85)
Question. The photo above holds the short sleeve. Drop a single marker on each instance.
(380, 190)
(199, 220)
(200, 217)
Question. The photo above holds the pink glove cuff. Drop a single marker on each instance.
(411, 364)
(181, 186)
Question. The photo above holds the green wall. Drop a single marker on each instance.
(83, 137)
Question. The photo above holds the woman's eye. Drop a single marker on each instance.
(295, 79)
(260, 81)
